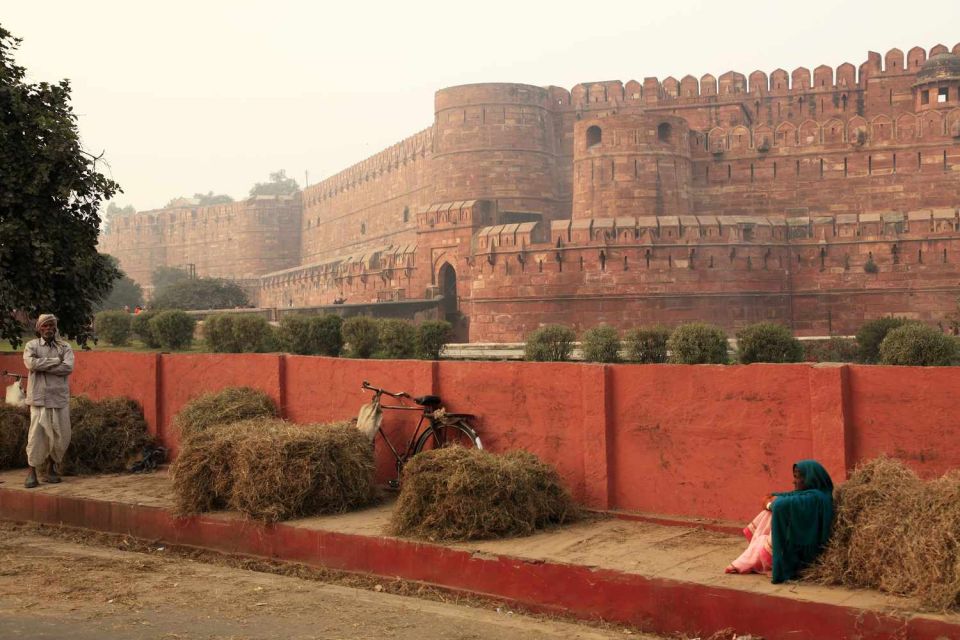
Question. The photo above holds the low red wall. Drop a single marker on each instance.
(703, 441)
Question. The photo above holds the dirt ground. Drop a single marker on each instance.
(67, 585)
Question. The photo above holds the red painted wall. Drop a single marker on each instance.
(702, 441)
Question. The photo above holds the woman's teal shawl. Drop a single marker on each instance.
(801, 521)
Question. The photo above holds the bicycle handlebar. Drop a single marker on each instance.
(18, 376)
(401, 394)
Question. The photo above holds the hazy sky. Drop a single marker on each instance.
(210, 95)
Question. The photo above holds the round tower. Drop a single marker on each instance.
(498, 142)
(938, 83)
(629, 165)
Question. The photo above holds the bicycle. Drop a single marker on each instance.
(442, 429)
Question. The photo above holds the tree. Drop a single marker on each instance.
(279, 185)
(115, 211)
(209, 198)
(124, 293)
(200, 293)
(163, 277)
(50, 198)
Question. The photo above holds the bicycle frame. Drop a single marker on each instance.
(424, 415)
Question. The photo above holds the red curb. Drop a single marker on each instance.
(651, 604)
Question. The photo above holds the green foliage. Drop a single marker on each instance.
(768, 342)
(218, 333)
(209, 198)
(362, 335)
(432, 335)
(140, 325)
(173, 329)
(601, 344)
(398, 339)
(325, 334)
(870, 266)
(698, 343)
(124, 292)
(113, 326)
(200, 293)
(311, 335)
(115, 211)
(833, 350)
(550, 343)
(279, 185)
(253, 334)
(918, 345)
(163, 277)
(872, 333)
(647, 345)
(50, 199)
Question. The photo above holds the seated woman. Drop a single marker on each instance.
(793, 527)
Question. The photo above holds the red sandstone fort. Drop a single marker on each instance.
(816, 200)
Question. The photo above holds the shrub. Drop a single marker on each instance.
(200, 293)
(601, 344)
(140, 325)
(918, 345)
(173, 329)
(551, 343)
(253, 334)
(647, 345)
(870, 266)
(325, 334)
(768, 342)
(113, 326)
(398, 338)
(431, 336)
(872, 333)
(218, 333)
(832, 350)
(698, 343)
(362, 335)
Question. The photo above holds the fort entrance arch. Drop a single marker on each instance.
(450, 307)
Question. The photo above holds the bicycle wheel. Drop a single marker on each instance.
(458, 433)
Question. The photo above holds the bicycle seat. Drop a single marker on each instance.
(427, 401)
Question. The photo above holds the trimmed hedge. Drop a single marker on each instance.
(872, 333)
(113, 326)
(398, 339)
(647, 345)
(918, 345)
(253, 334)
(362, 335)
(140, 325)
(767, 342)
(173, 329)
(550, 343)
(432, 335)
(218, 333)
(698, 343)
(325, 334)
(601, 344)
(833, 350)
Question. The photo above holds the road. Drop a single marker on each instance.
(66, 585)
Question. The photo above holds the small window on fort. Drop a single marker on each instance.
(942, 94)
(406, 214)
(593, 136)
(664, 132)
(363, 228)
(924, 97)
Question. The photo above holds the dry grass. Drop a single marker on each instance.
(897, 533)
(232, 404)
(273, 470)
(466, 494)
(14, 424)
(106, 435)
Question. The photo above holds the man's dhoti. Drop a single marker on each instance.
(49, 435)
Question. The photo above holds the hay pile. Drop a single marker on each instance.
(896, 533)
(233, 404)
(273, 470)
(14, 424)
(106, 435)
(467, 494)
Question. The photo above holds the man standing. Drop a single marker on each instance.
(49, 359)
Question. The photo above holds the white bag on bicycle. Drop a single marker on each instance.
(369, 419)
(15, 395)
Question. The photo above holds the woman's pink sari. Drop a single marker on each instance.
(758, 557)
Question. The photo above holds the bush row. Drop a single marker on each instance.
(895, 341)
(170, 330)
